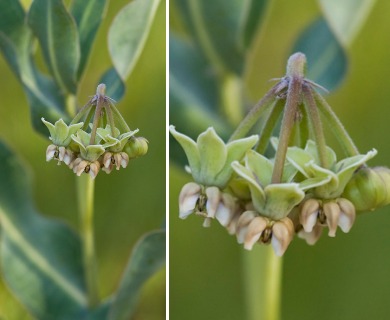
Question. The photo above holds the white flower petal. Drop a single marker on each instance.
(308, 215)
(207, 222)
(188, 197)
(226, 209)
(313, 236)
(332, 213)
(213, 198)
(242, 225)
(50, 151)
(282, 234)
(254, 231)
(347, 214)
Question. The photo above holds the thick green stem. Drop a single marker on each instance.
(85, 195)
(263, 279)
(336, 126)
(255, 113)
(316, 125)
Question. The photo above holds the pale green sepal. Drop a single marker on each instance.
(247, 174)
(92, 152)
(235, 151)
(60, 132)
(104, 132)
(324, 190)
(311, 148)
(213, 153)
(289, 172)
(314, 182)
(299, 158)
(281, 199)
(346, 167)
(260, 166)
(191, 150)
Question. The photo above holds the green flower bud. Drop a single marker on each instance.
(136, 147)
(369, 188)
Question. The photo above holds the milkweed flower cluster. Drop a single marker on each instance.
(88, 147)
(300, 190)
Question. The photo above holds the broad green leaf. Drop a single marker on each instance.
(194, 97)
(326, 59)
(216, 27)
(57, 34)
(114, 84)
(88, 16)
(148, 257)
(346, 17)
(128, 34)
(40, 258)
(252, 17)
(16, 45)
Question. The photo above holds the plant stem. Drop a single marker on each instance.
(290, 111)
(269, 126)
(263, 279)
(255, 113)
(85, 195)
(316, 125)
(337, 127)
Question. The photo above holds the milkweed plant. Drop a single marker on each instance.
(49, 268)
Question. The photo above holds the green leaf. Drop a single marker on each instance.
(346, 17)
(327, 61)
(16, 46)
(114, 84)
(148, 257)
(88, 16)
(193, 93)
(252, 17)
(216, 27)
(40, 258)
(128, 33)
(57, 34)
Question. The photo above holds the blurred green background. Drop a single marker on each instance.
(346, 277)
(128, 203)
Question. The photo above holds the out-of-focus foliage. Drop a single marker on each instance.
(341, 278)
(122, 215)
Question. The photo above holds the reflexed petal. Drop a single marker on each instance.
(282, 234)
(80, 168)
(118, 160)
(125, 159)
(50, 151)
(254, 231)
(313, 236)
(107, 160)
(213, 199)
(61, 153)
(332, 213)
(188, 197)
(243, 223)
(226, 209)
(75, 163)
(347, 214)
(94, 168)
(68, 157)
(308, 215)
(232, 227)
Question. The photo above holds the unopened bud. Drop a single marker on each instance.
(369, 188)
(136, 147)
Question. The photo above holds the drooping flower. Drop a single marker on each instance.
(60, 135)
(114, 145)
(272, 202)
(210, 161)
(325, 205)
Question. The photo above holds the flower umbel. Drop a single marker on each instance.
(86, 147)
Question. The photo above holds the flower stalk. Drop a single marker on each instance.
(85, 196)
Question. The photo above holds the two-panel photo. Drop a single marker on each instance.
(193, 159)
